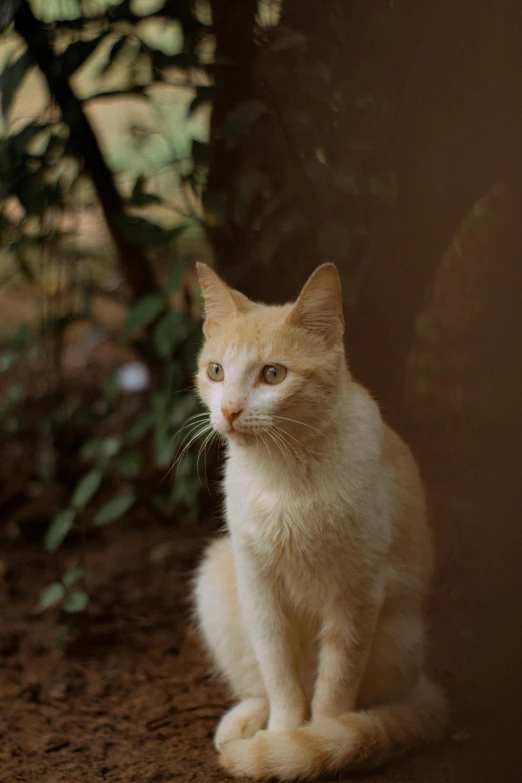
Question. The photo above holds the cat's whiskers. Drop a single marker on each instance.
(215, 434)
(271, 435)
(301, 423)
(191, 420)
(202, 448)
(289, 448)
(198, 429)
(194, 426)
(190, 424)
(267, 447)
(285, 432)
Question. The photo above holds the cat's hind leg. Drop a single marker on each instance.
(220, 620)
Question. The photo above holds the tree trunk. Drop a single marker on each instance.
(134, 263)
(233, 23)
(457, 134)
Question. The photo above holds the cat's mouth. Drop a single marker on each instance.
(239, 433)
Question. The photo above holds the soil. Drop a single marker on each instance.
(128, 697)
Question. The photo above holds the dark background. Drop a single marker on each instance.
(140, 137)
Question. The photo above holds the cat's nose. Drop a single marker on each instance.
(231, 413)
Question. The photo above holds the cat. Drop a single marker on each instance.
(312, 605)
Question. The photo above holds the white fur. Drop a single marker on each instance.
(312, 604)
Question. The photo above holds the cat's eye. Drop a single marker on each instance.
(273, 374)
(215, 371)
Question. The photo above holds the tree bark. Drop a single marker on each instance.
(233, 24)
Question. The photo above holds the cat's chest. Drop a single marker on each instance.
(287, 526)
(261, 513)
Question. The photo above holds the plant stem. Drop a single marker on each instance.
(134, 263)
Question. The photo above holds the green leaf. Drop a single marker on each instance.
(111, 390)
(20, 141)
(186, 492)
(114, 509)
(173, 377)
(111, 446)
(143, 313)
(192, 345)
(168, 333)
(113, 53)
(176, 275)
(164, 444)
(52, 594)
(86, 489)
(77, 54)
(129, 464)
(11, 80)
(74, 575)
(141, 199)
(163, 505)
(142, 232)
(46, 459)
(13, 397)
(58, 529)
(91, 449)
(241, 120)
(140, 427)
(204, 94)
(181, 60)
(101, 448)
(76, 602)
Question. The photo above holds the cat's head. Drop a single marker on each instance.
(271, 370)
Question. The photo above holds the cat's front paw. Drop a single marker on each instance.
(242, 721)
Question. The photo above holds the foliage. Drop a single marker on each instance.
(110, 447)
(124, 442)
(113, 50)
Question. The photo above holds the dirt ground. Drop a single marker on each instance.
(129, 699)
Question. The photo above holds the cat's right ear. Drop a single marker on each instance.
(221, 302)
(319, 308)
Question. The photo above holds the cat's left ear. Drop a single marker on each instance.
(319, 308)
(221, 302)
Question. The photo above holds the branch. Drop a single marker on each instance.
(134, 263)
(138, 91)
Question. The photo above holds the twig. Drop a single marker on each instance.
(134, 262)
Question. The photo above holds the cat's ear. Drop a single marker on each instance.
(319, 308)
(220, 301)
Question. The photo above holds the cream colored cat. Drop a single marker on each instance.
(312, 605)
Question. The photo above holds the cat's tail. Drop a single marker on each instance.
(356, 740)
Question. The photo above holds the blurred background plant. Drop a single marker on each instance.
(102, 165)
(264, 137)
